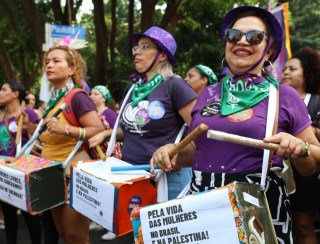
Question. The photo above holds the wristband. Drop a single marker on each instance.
(66, 130)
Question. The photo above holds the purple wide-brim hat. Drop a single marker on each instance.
(163, 39)
(274, 24)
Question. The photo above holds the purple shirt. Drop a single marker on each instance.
(7, 145)
(214, 156)
(110, 116)
(154, 122)
(82, 103)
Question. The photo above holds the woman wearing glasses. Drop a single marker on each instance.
(238, 105)
(157, 106)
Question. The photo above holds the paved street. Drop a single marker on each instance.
(23, 236)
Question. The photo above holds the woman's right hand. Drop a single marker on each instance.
(162, 159)
(99, 138)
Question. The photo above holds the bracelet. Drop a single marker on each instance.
(66, 130)
(307, 150)
(80, 134)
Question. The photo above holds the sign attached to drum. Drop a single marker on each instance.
(237, 213)
(108, 197)
(32, 184)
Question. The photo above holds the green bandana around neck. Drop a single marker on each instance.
(236, 96)
(57, 95)
(141, 91)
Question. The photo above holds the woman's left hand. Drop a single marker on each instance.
(54, 126)
(289, 146)
(9, 160)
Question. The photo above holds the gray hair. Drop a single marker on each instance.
(165, 69)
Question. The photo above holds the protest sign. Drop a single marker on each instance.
(32, 184)
(236, 213)
(108, 197)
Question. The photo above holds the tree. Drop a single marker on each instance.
(101, 56)
(304, 24)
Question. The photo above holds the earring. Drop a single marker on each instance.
(267, 67)
(222, 63)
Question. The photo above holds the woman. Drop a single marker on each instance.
(157, 107)
(100, 95)
(252, 38)
(65, 69)
(302, 72)
(31, 100)
(199, 77)
(11, 96)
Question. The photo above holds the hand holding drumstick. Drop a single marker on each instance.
(165, 157)
(285, 145)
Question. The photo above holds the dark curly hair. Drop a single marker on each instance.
(310, 63)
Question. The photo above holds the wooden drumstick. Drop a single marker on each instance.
(222, 136)
(100, 152)
(189, 138)
(20, 123)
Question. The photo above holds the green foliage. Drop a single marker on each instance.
(305, 24)
(197, 34)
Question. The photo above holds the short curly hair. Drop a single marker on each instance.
(74, 59)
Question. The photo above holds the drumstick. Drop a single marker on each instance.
(131, 167)
(37, 133)
(100, 152)
(222, 136)
(20, 122)
(189, 138)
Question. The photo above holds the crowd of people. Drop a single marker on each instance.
(235, 102)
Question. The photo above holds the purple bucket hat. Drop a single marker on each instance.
(163, 39)
(274, 24)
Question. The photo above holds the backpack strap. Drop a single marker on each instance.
(171, 94)
(68, 111)
(313, 109)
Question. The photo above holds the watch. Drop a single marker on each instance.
(307, 150)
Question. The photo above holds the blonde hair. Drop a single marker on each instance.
(165, 69)
(74, 59)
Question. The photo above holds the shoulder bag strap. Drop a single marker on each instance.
(112, 141)
(271, 129)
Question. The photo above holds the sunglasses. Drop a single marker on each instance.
(254, 37)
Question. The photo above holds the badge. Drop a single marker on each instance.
(241, 116)
(141, 117)
(211, 109)
(156, 110)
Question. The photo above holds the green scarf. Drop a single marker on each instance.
(57, 95)
(240, 95)
(141, 91)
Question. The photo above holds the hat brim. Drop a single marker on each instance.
(274, 24)
(137, 36)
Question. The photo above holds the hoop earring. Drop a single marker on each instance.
(222, 63)
(265, 68)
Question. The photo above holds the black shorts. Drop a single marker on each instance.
(307, 195)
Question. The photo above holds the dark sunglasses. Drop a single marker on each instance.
(254, 37)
